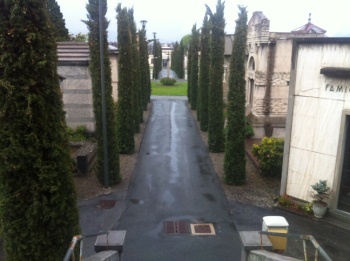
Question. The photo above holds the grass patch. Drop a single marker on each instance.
(178, 89)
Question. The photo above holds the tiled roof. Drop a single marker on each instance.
(309, 28)
(76, 52)
(73, 52)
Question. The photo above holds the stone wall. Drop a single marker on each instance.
(77, 96)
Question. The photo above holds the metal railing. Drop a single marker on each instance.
(318, 248)
(75, 240)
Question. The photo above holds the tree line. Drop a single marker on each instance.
(205, 88)
(39, 214)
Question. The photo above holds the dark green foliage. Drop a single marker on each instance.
(204, 75)
(181, 69)
(174, 57)
(158, 59)
(77, 134)
(125, 110)
(216, 103)
(38, 211)
(235, 163)
(59, 25)
(177, 59)
(78, 37)
(95, 69)
(194, 67)
(136, 77)
(270, 156)
(249, 131)
(144, 70)
(189, 62)
(167, 81)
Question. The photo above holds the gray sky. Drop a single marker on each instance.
(172, 19)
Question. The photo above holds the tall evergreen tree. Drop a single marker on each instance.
(175, 58)
(158, 60)
(38, 213)
(93, 25)
(181, 58)
(216, 104)
(234, 166)
(194, 67)
(189, 64)
(144, 69)
(59, 25)
(136, 77)
(204, 74)
(125, 110)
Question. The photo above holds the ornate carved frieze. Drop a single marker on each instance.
(260, 78)
(278, 78)
(278, 106)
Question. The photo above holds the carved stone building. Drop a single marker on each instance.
(268, 73)
(76, 85)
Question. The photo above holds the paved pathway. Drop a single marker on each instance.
(174, 180)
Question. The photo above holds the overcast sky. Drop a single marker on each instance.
(172, 19)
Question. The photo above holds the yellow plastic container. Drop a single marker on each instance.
(276, 224)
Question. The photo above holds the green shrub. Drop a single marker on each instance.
(168, 81)
(77, 134)
(285, 201)
(270, 156)
(249, 131)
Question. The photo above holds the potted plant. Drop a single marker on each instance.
(321, 192)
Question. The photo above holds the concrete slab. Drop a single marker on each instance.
(104, 256)
(263, 255)
(252, 240)
(114, 240)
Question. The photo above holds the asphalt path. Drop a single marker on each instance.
(174, 180)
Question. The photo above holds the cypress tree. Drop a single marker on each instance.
(158, 61)
(38, 211)
(204, 74)
(95, 69)
(175, 57)
(125, 110)
(216, 103)
(181, 57)
(234, 165)
(189, 64)
(59, 25)
(144, 69)
(194, 67)
(136, 78)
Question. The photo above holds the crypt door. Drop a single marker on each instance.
(344, 189)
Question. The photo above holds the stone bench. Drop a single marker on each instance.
(252, 240)
(86, 158)
(114, 241)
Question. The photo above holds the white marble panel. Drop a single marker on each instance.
(346, 104)
(300, 166)
(341, 59)
(304, 121)
(308, 72)
(327, 124)
(305, 168)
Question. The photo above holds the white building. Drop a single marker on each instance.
(317, 142)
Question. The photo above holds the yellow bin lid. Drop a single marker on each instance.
(275, 221)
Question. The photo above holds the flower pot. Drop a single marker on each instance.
(319, 208)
